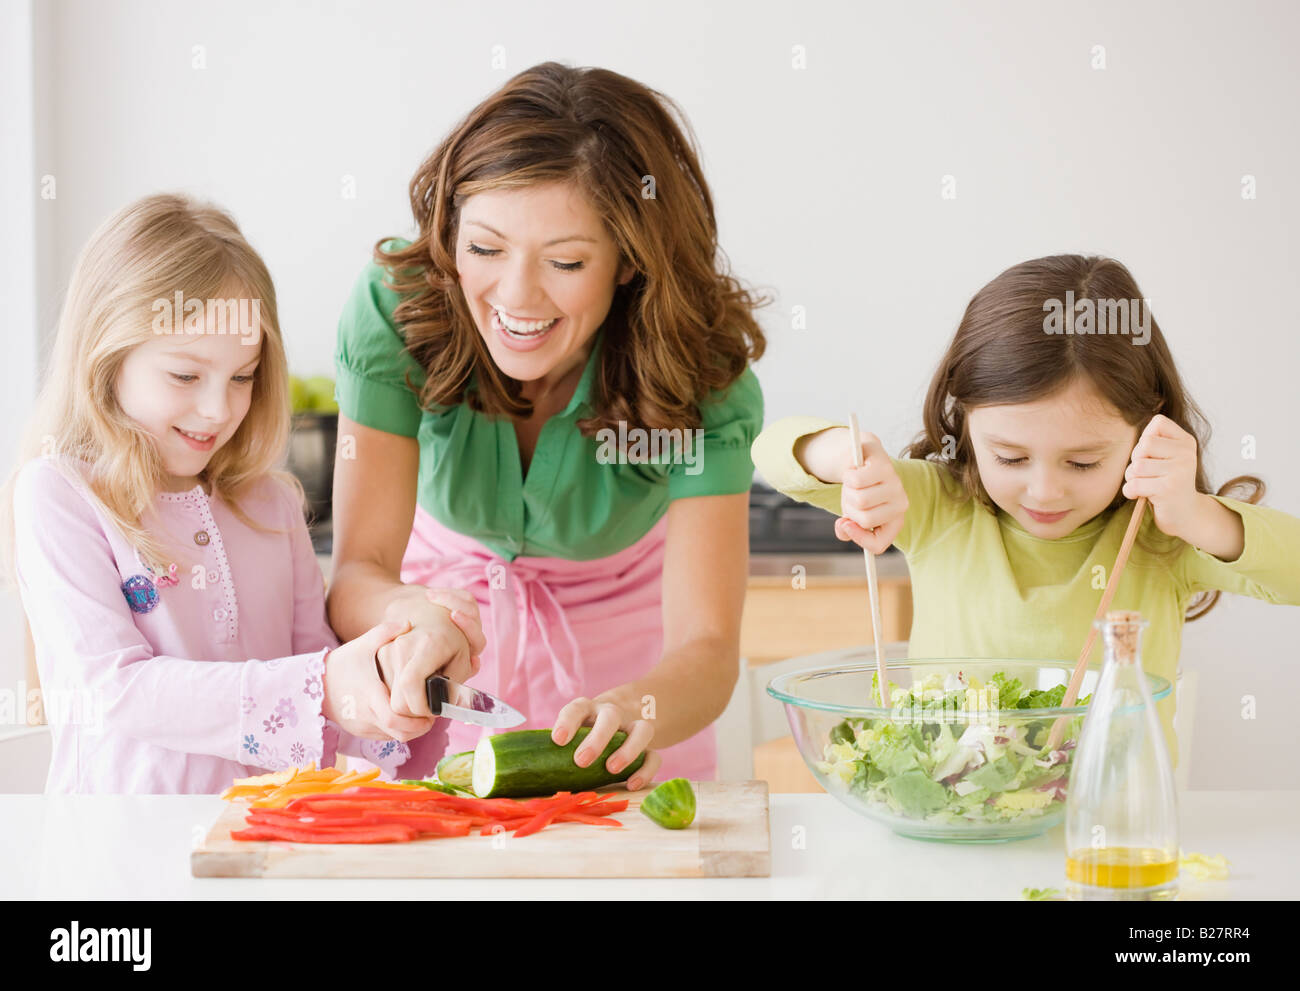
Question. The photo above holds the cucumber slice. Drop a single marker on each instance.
(525, 762)
(456, 769)
(671, 805)
(434, 786)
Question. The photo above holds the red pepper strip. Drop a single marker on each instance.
(361, 791)
(448, 825)
(370, 834)
(497, 808)
(501, 826)
(591, 820)
(541, 820)
(346, 805)
(428, 824)
(605, 808)
(541, 804)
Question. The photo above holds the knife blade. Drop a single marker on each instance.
(468, 705)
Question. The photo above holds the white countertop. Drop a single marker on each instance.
(137, 847)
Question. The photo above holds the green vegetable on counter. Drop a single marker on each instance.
(526, 762)
(671, 805)
(1042, 894)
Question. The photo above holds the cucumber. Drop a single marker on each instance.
(526, 762)
(671, 805)
(455, 769)
(433, 786)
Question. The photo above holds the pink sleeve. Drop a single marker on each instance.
(88, 641)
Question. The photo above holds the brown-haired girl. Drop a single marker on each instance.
(547, 400)
(1041, 424)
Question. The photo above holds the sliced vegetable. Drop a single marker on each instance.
(361, 814)
(308, 834)
(456, 770)
(570, 803)
(671, 805)
(434, 786)
(527, 762)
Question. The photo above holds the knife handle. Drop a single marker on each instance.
(435, 688)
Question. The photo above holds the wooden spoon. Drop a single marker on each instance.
(1076, 680)
(873, 587)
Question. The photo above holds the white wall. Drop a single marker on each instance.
(827, 182)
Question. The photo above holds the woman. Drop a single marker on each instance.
(505, 378)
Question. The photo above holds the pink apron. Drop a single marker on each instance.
(556, 630)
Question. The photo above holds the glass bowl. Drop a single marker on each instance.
(933, 771)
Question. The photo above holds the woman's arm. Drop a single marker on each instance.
(375, 480)
(706, 565)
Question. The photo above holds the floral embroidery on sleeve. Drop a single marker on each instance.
(280, 729)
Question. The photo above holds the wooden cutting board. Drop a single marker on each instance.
(729, 838)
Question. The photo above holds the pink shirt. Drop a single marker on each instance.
(158, 687)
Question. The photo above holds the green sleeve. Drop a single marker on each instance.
(1267, 567)
(773, 454)
(371, 362)
(730, 420)
(930, 499)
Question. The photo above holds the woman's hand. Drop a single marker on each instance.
(606, 719)
(872, 500)
(1162, 467)
(445, 636)
(355, 699)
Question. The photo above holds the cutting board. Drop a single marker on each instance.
(729, 838)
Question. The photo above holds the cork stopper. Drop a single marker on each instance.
(1123, 626)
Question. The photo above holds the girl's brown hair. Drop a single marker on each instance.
(1003, 354)
(679, 329)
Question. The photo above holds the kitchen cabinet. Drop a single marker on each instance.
(798, 604)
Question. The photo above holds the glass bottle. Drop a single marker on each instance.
(1121, 810)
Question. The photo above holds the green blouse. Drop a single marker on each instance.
(577, 501)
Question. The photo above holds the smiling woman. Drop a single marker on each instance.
(564, 287)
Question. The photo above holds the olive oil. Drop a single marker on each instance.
(1121, 810)
(1121, 867)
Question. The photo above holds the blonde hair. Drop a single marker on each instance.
(149, 251)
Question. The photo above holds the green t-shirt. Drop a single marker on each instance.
(983, 586)
(580, 499)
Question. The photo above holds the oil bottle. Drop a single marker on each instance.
(1121, 810)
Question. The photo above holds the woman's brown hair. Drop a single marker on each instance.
(1003, 354)
(679, 329)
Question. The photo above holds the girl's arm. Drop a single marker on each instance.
(264, 713)
(1265, 565)
(706, 563)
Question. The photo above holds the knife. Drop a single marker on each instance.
(468, 705)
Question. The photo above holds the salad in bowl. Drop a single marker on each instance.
(960, 754)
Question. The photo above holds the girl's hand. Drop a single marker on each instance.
(1163, 468)
(355, 699)
(872, 500)
(445, 637)
(606, 719)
